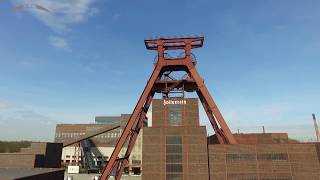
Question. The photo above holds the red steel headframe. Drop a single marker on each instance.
(116, 165)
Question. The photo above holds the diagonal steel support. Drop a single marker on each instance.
(212, 119)
(134, 136)
(195, 83)
(132, 121)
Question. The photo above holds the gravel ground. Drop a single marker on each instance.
(90, 177)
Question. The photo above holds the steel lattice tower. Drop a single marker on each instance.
(158, 83)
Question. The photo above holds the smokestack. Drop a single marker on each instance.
(316, 127)
(263, 130)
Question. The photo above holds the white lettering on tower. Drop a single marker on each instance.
(165, 102)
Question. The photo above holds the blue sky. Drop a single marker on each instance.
(84, 58)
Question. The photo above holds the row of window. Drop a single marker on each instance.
(98, 157)
(254, 178)
(73, 135)
(261, 156)
(174, 167)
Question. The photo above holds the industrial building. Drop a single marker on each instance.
(296, 161)
(99, 147)
(174, 146)
(39, 161)
(177, 148)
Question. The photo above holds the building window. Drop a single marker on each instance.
(254, 157)
(241, 157)
(174, 177)
(175, 115)
(174, 149)
(273, 156)
(174, 158)
(174, 166)
(136, 161)
(173, 140)
(289, 178)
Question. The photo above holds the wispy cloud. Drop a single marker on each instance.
(6, 105)
(21, 123)
(59, 43)
(62, 13)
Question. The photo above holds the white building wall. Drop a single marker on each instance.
(149, 116)
(68, 153)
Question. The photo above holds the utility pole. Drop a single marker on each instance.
(316, 127)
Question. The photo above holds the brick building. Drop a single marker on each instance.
(177, 148)
(101, 146)
(264, 161)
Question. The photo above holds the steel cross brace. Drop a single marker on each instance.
(212, 119)
(135, 121)
(139, 111)
(210, 106)
(133, 137)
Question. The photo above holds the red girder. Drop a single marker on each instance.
(154, 84)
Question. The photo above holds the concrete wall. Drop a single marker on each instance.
(45, 155)
(31, 174)
(56, 175)
(12, 160)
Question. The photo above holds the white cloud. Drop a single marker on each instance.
(59, 43)
(61, 12)
(21, 123)
(6, 105)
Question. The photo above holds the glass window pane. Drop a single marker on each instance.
(175, 108)
(174, 177)
(173, 140)
(175, 118)
(174, 149)
(175, 115)
(174, 168)
(174, 158)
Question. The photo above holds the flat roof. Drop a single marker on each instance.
(13, 173)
